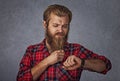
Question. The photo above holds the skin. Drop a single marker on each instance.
(61, 24)
(73, 62)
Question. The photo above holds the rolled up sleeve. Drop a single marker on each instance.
(87, 54)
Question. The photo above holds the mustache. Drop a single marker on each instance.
(60, 33)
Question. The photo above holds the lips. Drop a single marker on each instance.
(60, 34)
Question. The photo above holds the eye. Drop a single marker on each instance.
(65, 26)
(55, 25)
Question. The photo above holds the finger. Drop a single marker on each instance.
(67, 63)
(65, 67)
(70, 67)
(60, 58)
(72, 61)
(60, 50)
(54, 52)
(63, 51)
(60, 53)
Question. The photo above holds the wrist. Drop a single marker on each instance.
(46, 62)
(82, 63)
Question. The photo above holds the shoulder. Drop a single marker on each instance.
(74, 45)
(35, 47)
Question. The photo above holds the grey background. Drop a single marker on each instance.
(95, 25)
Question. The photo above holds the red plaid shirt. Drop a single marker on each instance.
(36, 53)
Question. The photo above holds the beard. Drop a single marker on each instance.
(56, 43)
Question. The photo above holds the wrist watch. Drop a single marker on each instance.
(82, 63)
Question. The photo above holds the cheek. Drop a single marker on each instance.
(66, 32)
(52, 31)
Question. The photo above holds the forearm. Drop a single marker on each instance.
(39, 69)
(95, 65)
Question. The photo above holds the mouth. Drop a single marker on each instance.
(60, 34)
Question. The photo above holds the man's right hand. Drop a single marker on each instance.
(55, 57)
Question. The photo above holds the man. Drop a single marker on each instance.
(54, 59)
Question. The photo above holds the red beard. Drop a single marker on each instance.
(56, 43)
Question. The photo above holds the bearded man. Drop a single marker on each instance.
(54, 59)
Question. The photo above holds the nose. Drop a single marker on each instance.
(60, 29)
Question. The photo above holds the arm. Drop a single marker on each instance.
(93, 62)
(73, 62)
(95, 65)
(54, 57)
(37, 70)
(29, 73)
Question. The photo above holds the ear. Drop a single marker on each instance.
(44, 24)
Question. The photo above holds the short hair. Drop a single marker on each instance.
(58, 10)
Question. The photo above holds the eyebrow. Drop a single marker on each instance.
(59, 24)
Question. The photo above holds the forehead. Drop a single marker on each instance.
(56, 19)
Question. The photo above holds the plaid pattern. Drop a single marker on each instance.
(36, 53)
